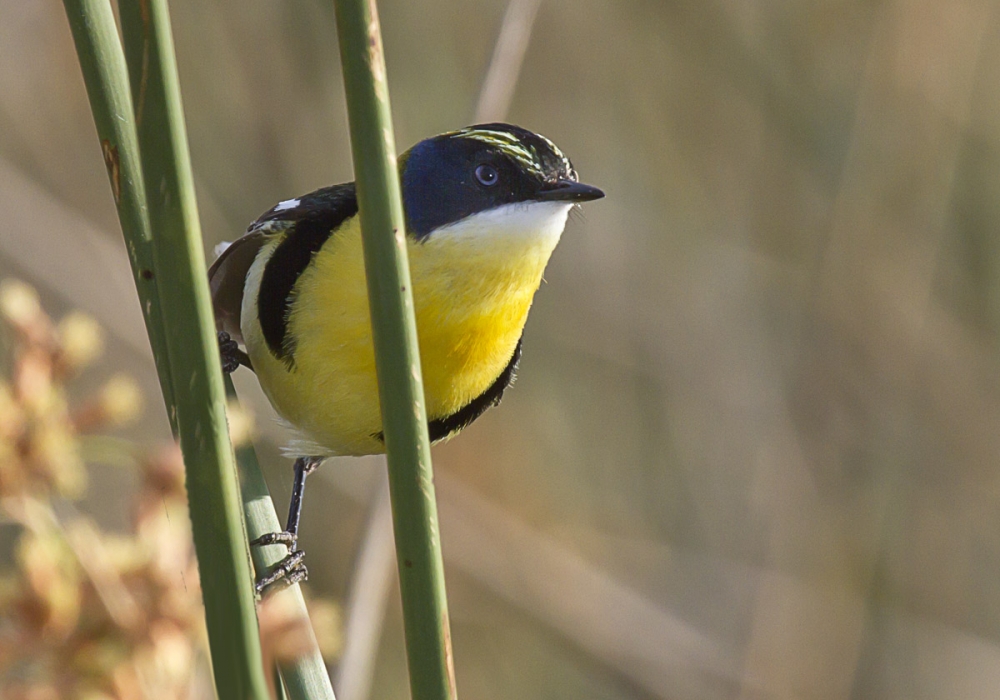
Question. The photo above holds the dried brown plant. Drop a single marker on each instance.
(86, 613)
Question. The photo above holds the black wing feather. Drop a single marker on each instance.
(309, 224)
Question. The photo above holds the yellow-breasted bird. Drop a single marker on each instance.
(485, 207)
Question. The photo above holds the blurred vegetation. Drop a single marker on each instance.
(85, 613)
(752, 451)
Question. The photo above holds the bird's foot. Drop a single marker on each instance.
(287, 571)
(232, 356)
(286, 538)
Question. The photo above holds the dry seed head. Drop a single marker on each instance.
(33, 382)
(80, 340)
(55, 456)
(51, 601)
(19, 303)
(170, 655)
(121, 400)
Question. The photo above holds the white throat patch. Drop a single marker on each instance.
(536, 222)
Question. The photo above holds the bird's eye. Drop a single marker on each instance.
(487, 175)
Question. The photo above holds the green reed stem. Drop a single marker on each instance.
(192, 349)
(397, 360)
(307, 677)
(96, 37)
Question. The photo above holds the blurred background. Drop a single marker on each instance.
(753, 447)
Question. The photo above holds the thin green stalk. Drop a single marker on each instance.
(307, 678)
(191, 346)
(397, 360)
(103, 63)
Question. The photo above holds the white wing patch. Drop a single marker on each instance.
(287, 204)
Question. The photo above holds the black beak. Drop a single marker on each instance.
(567, 191)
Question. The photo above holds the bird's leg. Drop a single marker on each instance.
(290, 569)
(232, 356)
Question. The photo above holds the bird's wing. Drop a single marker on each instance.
(328, 204)
(324, 209)
(227, 277)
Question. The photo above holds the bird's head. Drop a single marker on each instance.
(488, 174)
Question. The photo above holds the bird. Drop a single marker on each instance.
(484, 208)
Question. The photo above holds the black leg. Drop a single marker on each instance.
(290, 569)
(304, 466)
(232, 356)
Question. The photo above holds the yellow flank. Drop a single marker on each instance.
(472, 290)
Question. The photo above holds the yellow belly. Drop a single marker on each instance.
(471, 295)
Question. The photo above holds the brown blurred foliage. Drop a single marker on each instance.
(86, 613)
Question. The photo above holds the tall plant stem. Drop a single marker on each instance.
(104, 71)
(305, 678)
(397, 360)
(172, 259)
